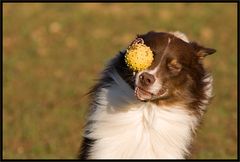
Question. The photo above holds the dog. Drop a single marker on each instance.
(153, 113)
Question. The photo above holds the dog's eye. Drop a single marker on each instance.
(174, 66)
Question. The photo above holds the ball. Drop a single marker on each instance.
(138, 57)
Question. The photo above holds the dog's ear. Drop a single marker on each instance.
(201, 51)
(137, 40)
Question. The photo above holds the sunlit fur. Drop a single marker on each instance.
(180, 35)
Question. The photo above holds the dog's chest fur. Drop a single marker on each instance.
(126, 128)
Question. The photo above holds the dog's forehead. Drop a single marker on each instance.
(166, 46)
(178, 45)
(168, 43)
(158, 41)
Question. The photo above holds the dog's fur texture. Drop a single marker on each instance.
(152, 113)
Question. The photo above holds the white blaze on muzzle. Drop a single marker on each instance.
(157, 85)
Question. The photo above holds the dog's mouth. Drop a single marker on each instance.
(145, 95)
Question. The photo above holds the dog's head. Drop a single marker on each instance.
(176, 69)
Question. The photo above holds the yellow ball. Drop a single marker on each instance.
(139, 57)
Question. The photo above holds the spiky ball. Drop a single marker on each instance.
(138, 57)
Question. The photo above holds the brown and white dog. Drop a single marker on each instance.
(152, 113)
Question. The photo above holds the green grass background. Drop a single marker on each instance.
(53, 52)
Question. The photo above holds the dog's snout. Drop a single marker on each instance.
(146, 79)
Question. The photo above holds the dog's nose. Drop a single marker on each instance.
(146, 79)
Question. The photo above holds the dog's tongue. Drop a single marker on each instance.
(142, 95)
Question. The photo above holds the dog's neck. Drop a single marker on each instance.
(127, 128)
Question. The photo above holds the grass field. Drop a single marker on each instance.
(53, 52)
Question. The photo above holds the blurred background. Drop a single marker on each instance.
(52, 53)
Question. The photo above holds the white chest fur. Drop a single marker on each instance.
(127, 128)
